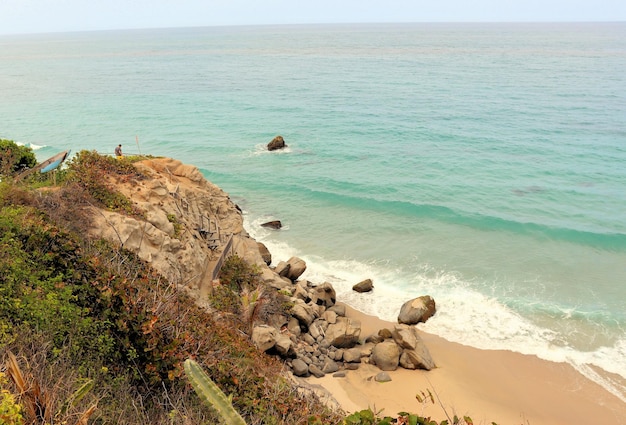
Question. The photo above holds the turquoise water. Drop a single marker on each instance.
(483, 164)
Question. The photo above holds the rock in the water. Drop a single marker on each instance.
(277, 143)
(386, 355)
(364, 286)
(417, 310)
(274, 224)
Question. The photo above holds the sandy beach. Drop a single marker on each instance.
(489, 386)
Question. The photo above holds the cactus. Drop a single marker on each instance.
(211, 394)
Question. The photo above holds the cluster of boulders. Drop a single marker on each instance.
(315, 337)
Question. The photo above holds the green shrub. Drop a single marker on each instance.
(15, 158)
(10, 410)
(237, 274)
(97, 173)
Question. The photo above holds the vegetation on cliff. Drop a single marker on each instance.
(89, 333)
(74, 309)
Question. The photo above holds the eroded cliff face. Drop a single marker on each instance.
(188, 223)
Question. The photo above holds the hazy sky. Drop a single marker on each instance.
(27, 16)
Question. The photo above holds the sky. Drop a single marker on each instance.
(41, 16)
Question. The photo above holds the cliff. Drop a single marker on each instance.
(189, 226)
(190, 223)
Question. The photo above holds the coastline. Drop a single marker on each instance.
(498, 386)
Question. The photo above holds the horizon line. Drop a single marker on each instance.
(302, 24)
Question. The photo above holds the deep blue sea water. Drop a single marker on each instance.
(482, 164)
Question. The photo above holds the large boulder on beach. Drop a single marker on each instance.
(277, 143)
(415, 354)
(344, 333)
(417, 310)
(417, 359)
(386, 355)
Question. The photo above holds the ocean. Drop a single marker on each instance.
(481, 164)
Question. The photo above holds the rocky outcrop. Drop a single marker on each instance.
(277, 143)
(417, 310)
(187, 222)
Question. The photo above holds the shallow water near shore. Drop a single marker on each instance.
(482, 164)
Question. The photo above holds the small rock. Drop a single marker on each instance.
(382, 377)
(274, 224)
(352, 355)
(374, 339)
(384, 333)
(330, 366)
(316, 371)
(338, 309)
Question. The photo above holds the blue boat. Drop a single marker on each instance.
(52, 163)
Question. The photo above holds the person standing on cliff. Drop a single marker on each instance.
(118, 151)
